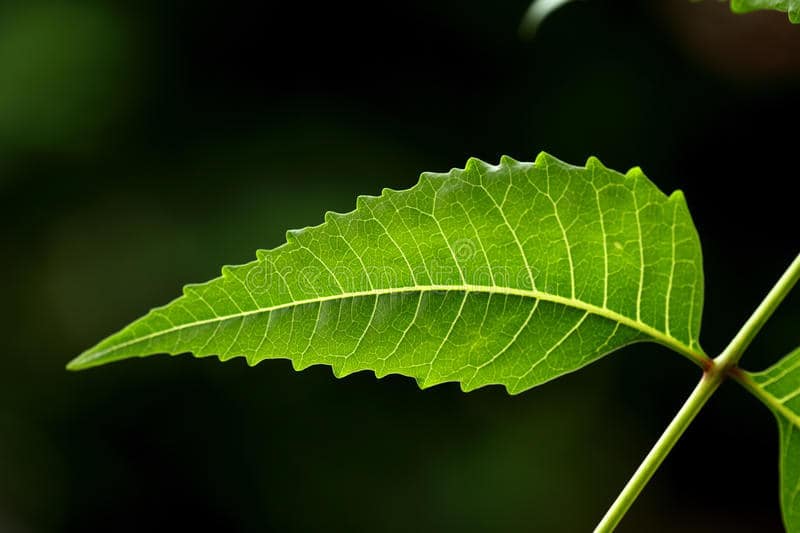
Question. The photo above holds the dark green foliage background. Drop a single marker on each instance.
(145, 144)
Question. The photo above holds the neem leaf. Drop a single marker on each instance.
(780, 390)
(536, 13)
(792, 7)
(508, 274)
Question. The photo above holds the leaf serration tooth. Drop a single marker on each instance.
(387, 192)
(365, 200)
(594, 163)
(473, 163)
(508, 161)
(291, 235)
(677, 196)
(635, 173)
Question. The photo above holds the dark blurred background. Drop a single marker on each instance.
(145, 144)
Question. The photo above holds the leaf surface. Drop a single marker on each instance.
(791, 7)
(508, 274)
(779, 389)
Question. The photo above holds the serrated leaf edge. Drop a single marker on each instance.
(692, 351)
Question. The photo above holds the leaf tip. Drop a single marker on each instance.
(81, 362)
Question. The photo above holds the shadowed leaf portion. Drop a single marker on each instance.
(508, 274)
(780, 385)
(536, 13)
(791, 7)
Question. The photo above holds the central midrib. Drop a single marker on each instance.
(696, 356)
(767, 397)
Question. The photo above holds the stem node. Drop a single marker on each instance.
(714, 373)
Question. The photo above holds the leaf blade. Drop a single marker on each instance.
(790, 7)
(779, 388)
(513, 274)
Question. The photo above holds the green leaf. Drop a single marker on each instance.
(792, 7)
(508, 274)
(536, 13)
(779, 388)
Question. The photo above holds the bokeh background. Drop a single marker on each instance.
(145, 144)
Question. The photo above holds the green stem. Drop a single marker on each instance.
(712, 378)
(733, 352)
(659, 452)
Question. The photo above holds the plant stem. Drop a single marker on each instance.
(733, 352)
(712, 378)
(659, 452)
